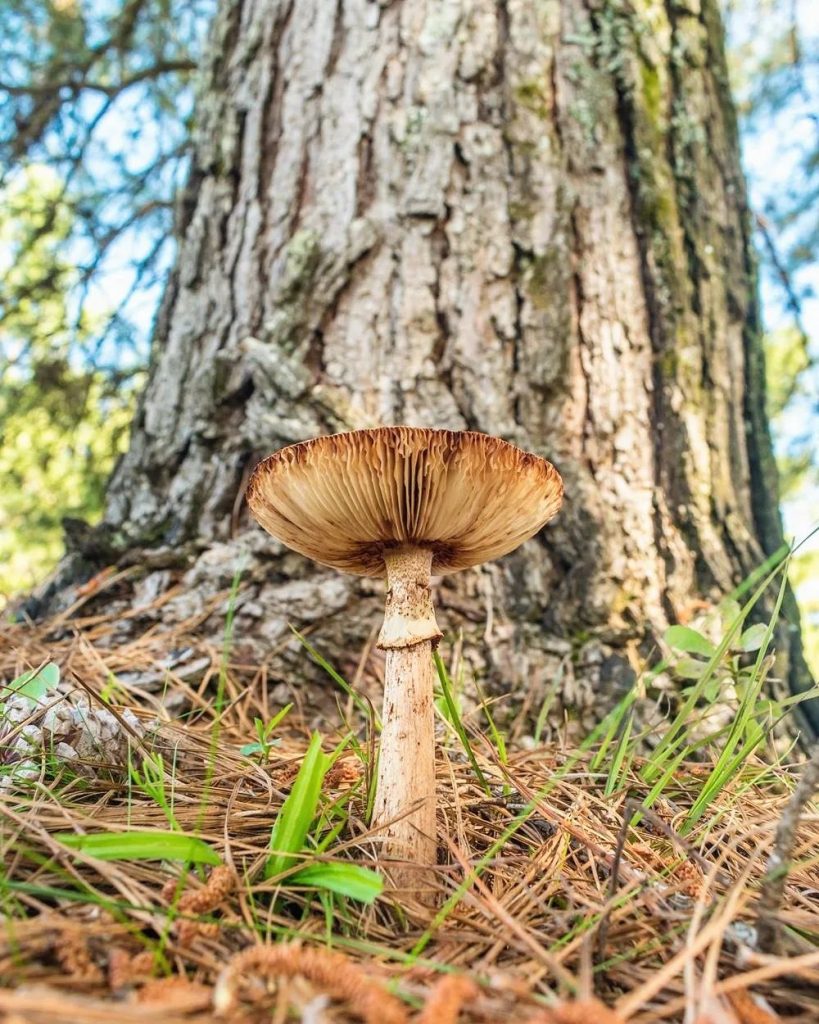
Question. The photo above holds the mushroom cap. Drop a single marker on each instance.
(345, 499)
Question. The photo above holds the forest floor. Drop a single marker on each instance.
(554, 901)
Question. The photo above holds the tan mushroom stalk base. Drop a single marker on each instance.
(404, 813)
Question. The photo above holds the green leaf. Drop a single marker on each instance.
(730, 610)
(350, 880)
(36, 683)
(149, 844)
(754, 733)
(753, 637)
(262, 747)
(298, 811)
(682, 638)
(276, 719)
(711, 690)
(249, 749)
(622, 757)
(690, 668)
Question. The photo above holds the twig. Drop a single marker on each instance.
(631, 808)
(773, 884)
(782, 967)
(603, 930)
(793, 303)
(584, 1011)
(543, 955)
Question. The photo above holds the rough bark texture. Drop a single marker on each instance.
(524, 217)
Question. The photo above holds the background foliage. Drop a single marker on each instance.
(96, 100)
(62, 418)
(96, 117)
(775, 70)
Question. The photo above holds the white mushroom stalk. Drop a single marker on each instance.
(406, 764)
(405, 503)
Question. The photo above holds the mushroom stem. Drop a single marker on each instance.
(404, 812)
(409, 617)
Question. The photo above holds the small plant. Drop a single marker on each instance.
(724, 710)
(152, 780)
(264, 733)
(113, 692)
(692, 651)
(298, 830)
(289, 835)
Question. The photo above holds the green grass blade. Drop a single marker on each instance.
(278, 718)
(609, 728)
(678, 728)
(497, 737)
(148, 844)
(351, 880)
(547, 704)
(729, 762)
(622, 757)
(659, 786)
(769, 566)
(365, 708)
(327, 840)
(298, 811)
(455, 719)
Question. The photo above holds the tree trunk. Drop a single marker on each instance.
(523, 217)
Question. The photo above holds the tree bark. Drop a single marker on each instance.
(523, 217)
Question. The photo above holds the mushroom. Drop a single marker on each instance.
(405, 503)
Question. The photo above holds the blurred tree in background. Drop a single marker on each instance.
(62, 419)
(775, 63)
(775, 78)
(95, 130)
(95, 124)
(775, 66)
